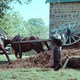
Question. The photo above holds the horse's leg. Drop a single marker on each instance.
(36, 48)
(4, 51)
(20, 50)
(16, 54)
(20, 54)
(40, 46)
(47, 45)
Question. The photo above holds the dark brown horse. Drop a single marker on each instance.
(20, 44)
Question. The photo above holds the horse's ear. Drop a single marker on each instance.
(18, 35)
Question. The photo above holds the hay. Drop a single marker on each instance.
(40, 60)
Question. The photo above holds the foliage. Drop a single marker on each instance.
(36, 27)
(5, 5)
(23, 1)
(38, 22)
(10, 22)
(13, 24)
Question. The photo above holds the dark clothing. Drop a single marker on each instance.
(57, 56)
(57, 44)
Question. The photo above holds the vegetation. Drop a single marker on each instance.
(38, 22)
(39, 74)
(13, 24)
(5, 5)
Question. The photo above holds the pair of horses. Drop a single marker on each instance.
(20, 44)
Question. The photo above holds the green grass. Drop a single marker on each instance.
(12, 57)
(37, 73)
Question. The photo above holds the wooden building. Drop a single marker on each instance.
(63, 11)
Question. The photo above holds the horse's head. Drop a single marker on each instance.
(5, 39)
(6, 42)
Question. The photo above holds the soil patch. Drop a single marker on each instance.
(41, 60)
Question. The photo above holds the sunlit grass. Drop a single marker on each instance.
(39, 74)
(24, 55)
(12, 57)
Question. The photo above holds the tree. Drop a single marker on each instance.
(38, 22)
(36, 27)
(5, 5)
(12, 23)
(22, 1)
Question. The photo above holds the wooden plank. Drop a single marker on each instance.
(65, 64)
(71, 58)
(32, 41)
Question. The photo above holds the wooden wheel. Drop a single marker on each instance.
(71, 32)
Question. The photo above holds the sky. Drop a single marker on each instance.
(36, 9)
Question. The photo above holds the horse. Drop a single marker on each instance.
(19, 44)
(2, 47)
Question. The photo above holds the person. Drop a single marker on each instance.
(2, 47)
(56, 51)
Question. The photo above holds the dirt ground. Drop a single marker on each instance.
(40, 60)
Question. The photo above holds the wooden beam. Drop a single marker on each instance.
(72, 60)
(32, 41)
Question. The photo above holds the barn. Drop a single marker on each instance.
(63, 11)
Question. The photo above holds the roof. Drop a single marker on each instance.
(51, 1)
(2, 31)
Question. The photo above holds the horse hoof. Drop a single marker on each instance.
(9, 62)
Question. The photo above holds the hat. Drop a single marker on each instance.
(57, 36)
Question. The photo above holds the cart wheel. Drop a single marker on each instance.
(71, 32)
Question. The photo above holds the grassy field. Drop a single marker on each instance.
(37, 73)
(12, 57)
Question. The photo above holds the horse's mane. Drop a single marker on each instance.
(29, 38)
(20, 38)
(17, 38)
(33, 38)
